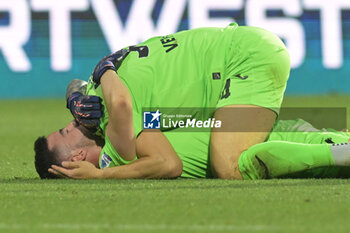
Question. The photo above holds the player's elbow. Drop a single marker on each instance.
(122, 103)
(119, 106)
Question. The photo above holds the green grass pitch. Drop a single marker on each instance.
(28, 204)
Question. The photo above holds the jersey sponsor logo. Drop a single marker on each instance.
(105, 160)
(240, 76)
(216, 76)
(151, 120)
(169, 43)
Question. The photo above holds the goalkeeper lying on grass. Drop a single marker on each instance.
(240, 72)
(293, 149)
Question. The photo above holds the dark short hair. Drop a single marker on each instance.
(44, 158)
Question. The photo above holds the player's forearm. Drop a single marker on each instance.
(120, 128)
(143, 168)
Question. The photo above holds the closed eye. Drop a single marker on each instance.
(63, 132)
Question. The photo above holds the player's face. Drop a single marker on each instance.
(68, 137)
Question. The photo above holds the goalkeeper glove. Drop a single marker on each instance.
(111, 62)
(86, 109)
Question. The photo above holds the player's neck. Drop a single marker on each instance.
(94, 155)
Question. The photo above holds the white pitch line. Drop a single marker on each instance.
(150, 227)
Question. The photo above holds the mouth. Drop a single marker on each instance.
(85, 130)
(89, 133)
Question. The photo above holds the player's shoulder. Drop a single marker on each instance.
(109, 157)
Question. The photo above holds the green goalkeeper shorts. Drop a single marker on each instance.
(257, 70)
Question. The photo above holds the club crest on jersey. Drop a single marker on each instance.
(105, 160)
(151, 120)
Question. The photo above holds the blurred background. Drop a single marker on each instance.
(46, 43)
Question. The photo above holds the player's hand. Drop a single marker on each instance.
(86, 109)
(111, 62)
(76, 170)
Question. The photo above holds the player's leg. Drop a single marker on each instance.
(242, 129)
(278, 158)
(285, 156)
(301, 131)
(256, 74)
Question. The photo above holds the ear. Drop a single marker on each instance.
(79, 154)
